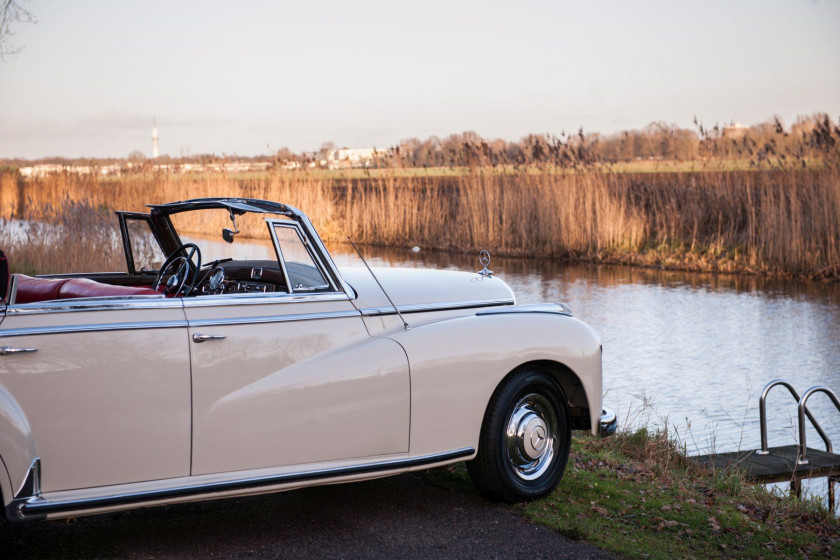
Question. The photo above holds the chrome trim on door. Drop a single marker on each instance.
(272, 319)
(199, 338)
(26, 331)
(106, 303)
(39, 506)
(157, 302)
(262, 299)
(6, 350)
(428, 307)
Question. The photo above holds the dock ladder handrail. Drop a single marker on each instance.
(803, 460)
(803, 411)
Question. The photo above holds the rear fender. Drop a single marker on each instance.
(457, 364)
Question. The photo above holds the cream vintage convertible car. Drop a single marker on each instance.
(209, 376)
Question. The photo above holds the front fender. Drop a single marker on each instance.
(456, 365)
(17, 448)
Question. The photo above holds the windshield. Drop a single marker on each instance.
(249, 245)
(205, 227)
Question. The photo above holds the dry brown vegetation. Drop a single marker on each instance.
(781, 221)
(779, 215)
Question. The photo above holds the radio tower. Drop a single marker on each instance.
(155, 147)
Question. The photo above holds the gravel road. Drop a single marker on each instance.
(400, 517)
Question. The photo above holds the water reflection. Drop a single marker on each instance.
(698, 348)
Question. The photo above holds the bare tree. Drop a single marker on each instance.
(326, 148)
(11, 12)
(136, 156)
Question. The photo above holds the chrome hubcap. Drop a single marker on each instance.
(530, 436)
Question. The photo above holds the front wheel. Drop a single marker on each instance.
(525, 439)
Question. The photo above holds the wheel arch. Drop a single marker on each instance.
(456, 365)
(570, 383)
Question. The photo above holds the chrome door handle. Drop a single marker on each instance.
(202, 337)
(5, 350)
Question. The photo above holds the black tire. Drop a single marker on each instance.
(529, 464)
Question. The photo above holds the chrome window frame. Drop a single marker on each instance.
(274, 223)
(123, 218)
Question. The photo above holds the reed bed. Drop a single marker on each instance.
(783, 221)
(68, 237)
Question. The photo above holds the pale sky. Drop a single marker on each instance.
(249, 77)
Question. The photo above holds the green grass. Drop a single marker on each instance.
(637, 495)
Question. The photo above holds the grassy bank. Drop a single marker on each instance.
(782, 222)
(637, 495)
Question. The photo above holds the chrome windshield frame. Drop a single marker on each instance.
(245, 205)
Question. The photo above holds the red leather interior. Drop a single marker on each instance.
(84, 287)
(31, 289)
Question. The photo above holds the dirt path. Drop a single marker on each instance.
(400, 517)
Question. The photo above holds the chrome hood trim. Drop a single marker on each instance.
(552, 308)
(416, 290)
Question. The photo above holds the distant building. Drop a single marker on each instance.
(735, 131)
(44, 169)
(353, 157)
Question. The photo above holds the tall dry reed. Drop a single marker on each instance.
(779, 221)
(68, 237)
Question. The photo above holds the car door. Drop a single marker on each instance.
(104, 385)
(292, 378)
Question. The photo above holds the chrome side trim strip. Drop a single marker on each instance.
(262, 299)
(155, 302)
(427, 307)
(95, 304)
(39, 506)
(272, 319)
(26, 331)
(550, 308)
(85, 274)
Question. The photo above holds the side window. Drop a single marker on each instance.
(304, 274)
(145, 249)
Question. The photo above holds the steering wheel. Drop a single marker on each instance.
(181, 261)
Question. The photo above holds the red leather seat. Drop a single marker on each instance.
(84, 287)
(31, 289)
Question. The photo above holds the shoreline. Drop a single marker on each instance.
(636, 494)
(663, 262)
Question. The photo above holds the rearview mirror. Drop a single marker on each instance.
(227, 233)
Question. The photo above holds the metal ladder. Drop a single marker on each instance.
(802, 449)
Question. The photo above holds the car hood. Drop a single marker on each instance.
(415, 289)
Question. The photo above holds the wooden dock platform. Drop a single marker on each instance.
(779, 466)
